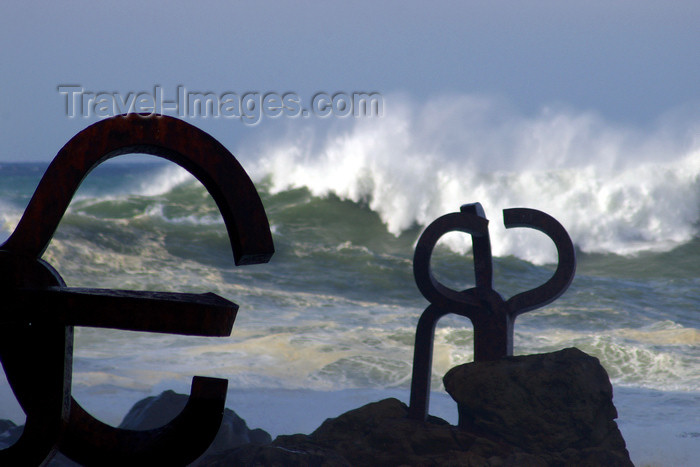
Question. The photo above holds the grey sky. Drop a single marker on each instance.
(629, 61)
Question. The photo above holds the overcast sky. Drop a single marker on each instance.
(630, 62)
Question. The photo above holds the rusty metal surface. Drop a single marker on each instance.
(39, 311)
(492, 316)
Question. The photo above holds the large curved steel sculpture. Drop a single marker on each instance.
(36, 323)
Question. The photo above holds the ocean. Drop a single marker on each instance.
(328, 325)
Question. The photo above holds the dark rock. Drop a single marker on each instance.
(378, 434)
(9, 433)
(153, 412)
(539, 410)
(285, 451)
(156, 411)
(59, 460)
(558, 404)
(7, 425)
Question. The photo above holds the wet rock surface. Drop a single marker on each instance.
(556, 405)
(539, 410)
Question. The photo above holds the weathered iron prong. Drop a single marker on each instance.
(566, 263)
(165, 312)
(493, 326)
(36, 362)
(423, 362)
(428, 285)
(471, 220)
(39, 381)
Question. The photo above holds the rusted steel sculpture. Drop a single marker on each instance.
(39, 311)
(491, 315)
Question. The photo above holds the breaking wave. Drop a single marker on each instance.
(616, 189)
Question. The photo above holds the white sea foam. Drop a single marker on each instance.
(9, 217)
(616, 189)
(157, 210)
(168, 178)
(152, 182)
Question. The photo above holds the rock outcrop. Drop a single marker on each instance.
(557, 406)
(378, 434)
(552, 409)
(156, 411)
(537, 410)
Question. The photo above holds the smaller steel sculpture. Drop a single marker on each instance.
(39, 312)
(491, 315)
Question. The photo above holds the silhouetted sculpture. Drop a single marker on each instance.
(36, 326)
(491, 315)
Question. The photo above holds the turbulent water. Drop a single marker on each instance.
(329, 322)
